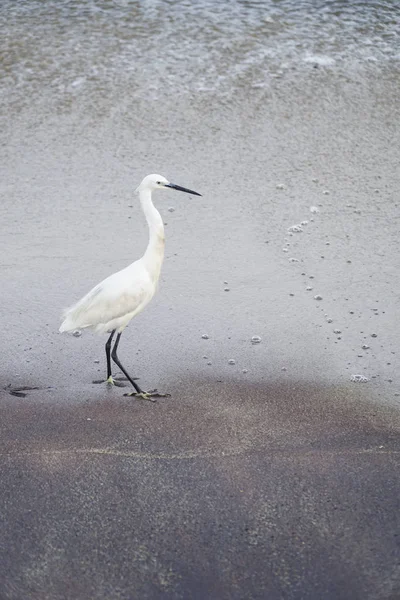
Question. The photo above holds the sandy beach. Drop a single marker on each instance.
(273, 477)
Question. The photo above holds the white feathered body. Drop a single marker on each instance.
(114, 302)
(111, 304)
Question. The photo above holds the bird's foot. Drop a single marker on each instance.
(151, 395)
(110, 381)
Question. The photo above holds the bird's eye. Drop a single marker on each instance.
(158, 182)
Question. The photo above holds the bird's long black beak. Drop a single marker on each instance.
(181, 189)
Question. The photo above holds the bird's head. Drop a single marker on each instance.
(154, 182)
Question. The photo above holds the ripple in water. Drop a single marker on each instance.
(295, 229)
(61, 51)
(359, 379)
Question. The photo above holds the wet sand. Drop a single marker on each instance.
(278, 482)
(225, 491)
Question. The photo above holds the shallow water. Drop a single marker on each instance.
(282, 114)
(99, 52)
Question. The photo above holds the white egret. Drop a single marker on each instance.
(111, 304)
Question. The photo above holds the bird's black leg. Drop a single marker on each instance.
(115, 358)
(108, 354)
(110, 379)
(139, 393)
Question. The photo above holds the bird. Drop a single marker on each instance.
(112, 303)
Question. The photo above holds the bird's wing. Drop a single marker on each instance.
(120, 294)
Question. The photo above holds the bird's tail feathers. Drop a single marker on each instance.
(71, 320)
(75, 317)
(67, 324)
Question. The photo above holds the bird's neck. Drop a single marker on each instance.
(154, 255)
